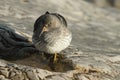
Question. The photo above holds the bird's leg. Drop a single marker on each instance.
(55, 58)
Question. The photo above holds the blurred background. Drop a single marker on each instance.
(106, 3)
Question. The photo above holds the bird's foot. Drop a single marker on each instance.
(55, 59)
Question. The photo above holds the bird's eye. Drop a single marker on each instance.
(49, 24)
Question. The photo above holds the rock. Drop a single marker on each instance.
(4, 72)
(57, 77)
(2, 62)
(43, 73)
(3, 78)
(83, 77)
(13, 46)
(18, 76)
(32, 75)
(12, 74)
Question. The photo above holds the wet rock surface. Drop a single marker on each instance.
(94, 53)
(12, 45)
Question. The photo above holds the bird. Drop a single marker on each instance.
(51, 34)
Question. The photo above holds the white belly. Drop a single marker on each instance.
(58, 46)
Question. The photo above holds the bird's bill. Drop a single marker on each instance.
(43, 30)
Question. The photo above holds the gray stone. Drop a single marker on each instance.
(18, 76)
(3, 62)
(32, 75)
(57, 77)
(3, 78)
(5, 72)
(12, 74)
(43, 73)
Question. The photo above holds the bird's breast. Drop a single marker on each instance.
(54, 46)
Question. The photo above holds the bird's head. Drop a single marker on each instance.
(49, 21)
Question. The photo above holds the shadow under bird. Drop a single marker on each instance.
(51, 34)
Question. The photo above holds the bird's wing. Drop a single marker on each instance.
(61, 18)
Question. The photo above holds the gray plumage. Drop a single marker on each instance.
(57, 36)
